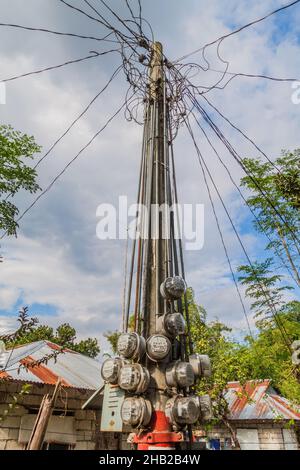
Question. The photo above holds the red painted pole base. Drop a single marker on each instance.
(160, 436)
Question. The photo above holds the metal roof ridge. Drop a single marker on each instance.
(16, 354)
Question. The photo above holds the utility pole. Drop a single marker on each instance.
(156, 366)
(157, 268)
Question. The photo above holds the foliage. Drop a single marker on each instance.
(27, 324)
(16, 400)
(279, 183)
(64, 335)
(262, 357)
(112, 337)
(264, 289)
(15, 174)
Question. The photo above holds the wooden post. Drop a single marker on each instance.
(42, 420)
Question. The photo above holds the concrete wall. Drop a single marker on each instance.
(83, 435)
(270, 436)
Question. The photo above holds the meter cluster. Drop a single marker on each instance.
(130, 374)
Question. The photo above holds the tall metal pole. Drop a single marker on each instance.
(155, 366)
(160, 434)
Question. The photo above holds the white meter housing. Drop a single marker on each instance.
(131, 346)
(158, 347)
(171, 324)
(205, 407)
(134, 378)
(206, 412)
(182, 411)
(110, 370)
(180, 374)
(136, 412)
(201, 365)
(173, 288)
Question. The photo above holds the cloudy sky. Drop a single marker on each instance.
(57, 266)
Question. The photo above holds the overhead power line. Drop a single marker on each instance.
(201, 162)
(53, 67)
(241, 195)
(264, 293)
(238, 30)
(58, 33)
(249, 75)
(68, 165)
(237, 157)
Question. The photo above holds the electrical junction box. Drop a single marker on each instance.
(111, 409)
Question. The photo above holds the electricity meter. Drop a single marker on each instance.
(171, 324)
(131, 345)
(205, 407)
(173, 288)
(206, 413)
(180, 374)
(136, 412)
(201, 365)
(134, 378)
(181, 411)
(158, 347)
(110, 370)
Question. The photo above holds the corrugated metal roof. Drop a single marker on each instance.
(75, 369)
(256, 400)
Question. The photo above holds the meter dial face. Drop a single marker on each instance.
(186, 410)
(131, 411)
(173, 288)
(184, 374)
(129, 378)
(127, 344)
(110, 370)
(175, 324)
(158, 347)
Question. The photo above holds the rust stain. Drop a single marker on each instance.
(246, 393)
(56, 347)
(285, 406)
(42, 372)
(4, 375)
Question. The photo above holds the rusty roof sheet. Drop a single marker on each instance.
(75, 369)
(257, 400)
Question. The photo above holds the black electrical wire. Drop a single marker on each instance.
(273, 308)
(188, 93)
(75, 61)
(250, 75)
(236, 31)
(234, 126)
(201, 162)
(68, 165)
(242, 196)
(59, 33)
(115, 73)
(238, 159)
(112, 77)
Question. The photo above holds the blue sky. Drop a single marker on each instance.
(57, 266)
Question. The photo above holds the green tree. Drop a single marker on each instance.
(264, 288)
(112, 337)
(280, 182)
(15, 150)
(263, 356)
(64, 335)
